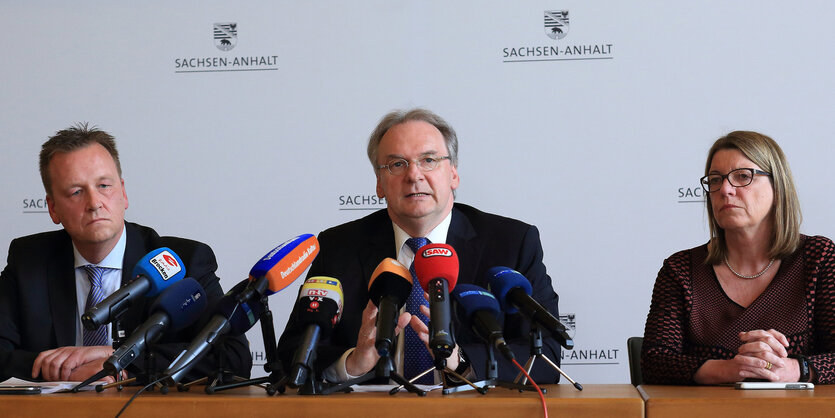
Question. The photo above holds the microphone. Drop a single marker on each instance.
(230, 318)
(513, 291)
(270, 274)
(481, 310)
(179, 306)
(390, 286)
(436, 266)
(281, 266)
(319, 308)
(152, 274)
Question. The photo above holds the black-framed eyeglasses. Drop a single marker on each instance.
(740, 177)
(398, 166)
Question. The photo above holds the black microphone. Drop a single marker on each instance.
(180, 305)
(230, 318)
(481, 310)
(319, 308)
(513, 291)
(436, 266)
(152, 274)
(390, 286)
(241, 307)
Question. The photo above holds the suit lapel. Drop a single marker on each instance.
(134, 251)
(379, 244)
(462, 237)
(62, 296)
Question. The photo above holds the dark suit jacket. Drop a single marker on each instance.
(350, 253)
(38, 301)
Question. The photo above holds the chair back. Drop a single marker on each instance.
(633, 347)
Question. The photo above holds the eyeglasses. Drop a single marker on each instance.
(399, 166)
(740, 177)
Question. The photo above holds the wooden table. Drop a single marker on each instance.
(562, 401)
(725, 401)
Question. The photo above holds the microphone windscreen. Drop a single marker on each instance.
(504, 279)
(323, 288)
(319, 310)
(162, 267)
(285, 263)
(436, 261)
(472, 298)
(183, 302)
(390, 278)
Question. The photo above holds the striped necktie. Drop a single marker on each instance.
(97, 336)
(416, 357)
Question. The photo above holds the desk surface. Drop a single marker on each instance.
(562, 400)
(713, 401)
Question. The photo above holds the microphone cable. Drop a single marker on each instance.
(541, 396)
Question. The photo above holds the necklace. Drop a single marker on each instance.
(742, 276)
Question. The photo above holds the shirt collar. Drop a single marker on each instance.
(436, 236)
(113, 260)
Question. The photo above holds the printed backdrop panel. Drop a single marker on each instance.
(243, 125)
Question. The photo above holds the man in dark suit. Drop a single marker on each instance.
(44, 286)
(414, 155)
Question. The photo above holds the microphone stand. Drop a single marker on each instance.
(311, 386)
(383, 369)
(492, 379)
(149, 375)
(218, 380)
(276, 379)
(118, 336)
(440, 365)
(536, 352)
(102, 373)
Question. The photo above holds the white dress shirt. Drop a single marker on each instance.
(336, 372)
(111, 281)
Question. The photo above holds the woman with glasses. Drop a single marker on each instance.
(758, 300)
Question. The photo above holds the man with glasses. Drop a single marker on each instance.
(414, 155)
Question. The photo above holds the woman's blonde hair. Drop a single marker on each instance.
(764, 152)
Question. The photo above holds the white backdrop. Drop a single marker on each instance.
(597, 138)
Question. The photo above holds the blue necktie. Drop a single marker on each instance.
(416, 357)
(97, 336)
